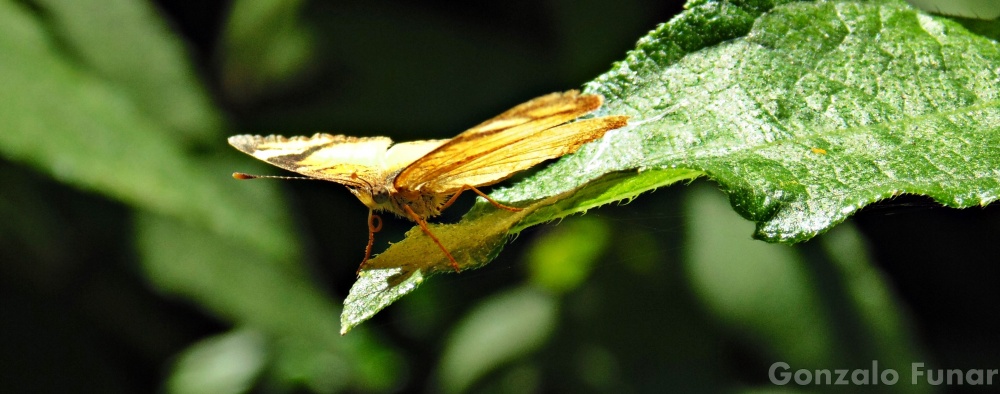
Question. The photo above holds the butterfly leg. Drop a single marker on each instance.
(423, 226)
(372, 229)
(483, 195)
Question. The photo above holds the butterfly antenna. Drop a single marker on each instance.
(244, 176)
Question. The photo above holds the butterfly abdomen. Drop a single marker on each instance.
(424, 205)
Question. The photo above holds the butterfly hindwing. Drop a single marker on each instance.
(512, 141)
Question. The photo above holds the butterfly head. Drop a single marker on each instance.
(380, 196)
(376, 198)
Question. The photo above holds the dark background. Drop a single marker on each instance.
(79, 316)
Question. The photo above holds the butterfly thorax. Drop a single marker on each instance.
(388, 198)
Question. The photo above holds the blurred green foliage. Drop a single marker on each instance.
(131, 262)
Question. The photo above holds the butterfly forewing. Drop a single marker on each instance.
(404, 154)
(523, 154)
(547, 106)
(337, 158)
(500, 140)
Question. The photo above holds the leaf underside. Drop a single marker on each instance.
(808, 113)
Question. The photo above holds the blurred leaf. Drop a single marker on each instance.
(561, 259)
(140, 58)
(28, 227)
(264, 44)
(84, 131)
(246, 287)
(232, 280)
(363, 364)
(809, 112)
(200, 234)
(884, 319)
(764, 289)
(299, 363)
(990, 29)
(808, 307)
(980, 9)
(228, 363)
(499, 329)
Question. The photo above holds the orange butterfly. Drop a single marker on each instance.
(419, 179)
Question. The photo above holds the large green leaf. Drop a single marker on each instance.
(85, 130)
(245, 286)
(824, 108)
(263, 46)
(505, 326)
(824, 303)
(121, 115)
(140, 57)
(809, 112)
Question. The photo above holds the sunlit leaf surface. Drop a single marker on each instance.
(810, 112)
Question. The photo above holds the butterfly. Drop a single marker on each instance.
(419, 179)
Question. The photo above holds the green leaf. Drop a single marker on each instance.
(980, 9)
(822, 303)
(989, 29)
(803, 112)
(95, 123)
(475, 241)
(499, 329)
(563, 258)
(140, 57)
(824, 108)
(264, 45)
(227, 363)
(81, 128)
(245, 286)
(383, 280)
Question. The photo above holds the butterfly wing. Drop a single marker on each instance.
(347, 160)
(525, 153)
(513, 141)
(553, 108)
(351, 161)
(403, 154)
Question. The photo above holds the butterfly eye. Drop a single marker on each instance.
(380, 197)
